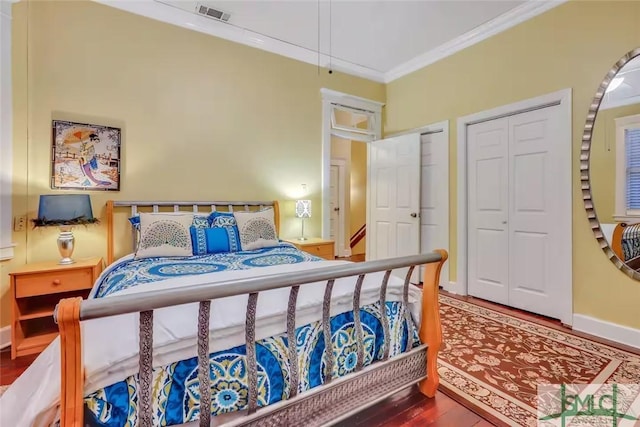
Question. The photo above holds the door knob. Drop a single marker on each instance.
(414, 215)
(336, 209)
(504, 222)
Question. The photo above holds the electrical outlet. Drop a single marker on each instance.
(19, 223)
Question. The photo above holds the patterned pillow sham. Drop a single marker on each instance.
(222, 219)
(199, 220)
(214, 240)
(257, 229)
(164, 234)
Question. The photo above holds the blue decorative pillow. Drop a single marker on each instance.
(222, 219)
(214, 240)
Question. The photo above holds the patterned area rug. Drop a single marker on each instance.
(495, 361)
(3, 388)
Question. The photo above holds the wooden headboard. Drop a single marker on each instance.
(202, 207)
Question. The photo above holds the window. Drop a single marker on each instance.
(628, 167)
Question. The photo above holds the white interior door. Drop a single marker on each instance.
(337, 206)
(488, 175)
(394, 197)
(334, 206)
(434, 196)
(535, 236)
(514, 206)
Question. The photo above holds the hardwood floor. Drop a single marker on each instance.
(11, 369)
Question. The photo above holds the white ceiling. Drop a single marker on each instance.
(380, 40)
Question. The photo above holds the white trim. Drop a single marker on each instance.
(611, 331)
(342, 182)
(563, 97)
(6, 252)
(333, 97)
(5, 336)
(192, 21)
(6, 133)
(626, 218)
(490, 28)
(623, 123)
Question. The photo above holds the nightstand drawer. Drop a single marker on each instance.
(53, 282)
(320, 250)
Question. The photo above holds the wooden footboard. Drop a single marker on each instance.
(335, 400)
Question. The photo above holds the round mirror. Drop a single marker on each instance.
(610, 164)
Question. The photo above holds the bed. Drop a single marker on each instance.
(625, 243)
(161, 337)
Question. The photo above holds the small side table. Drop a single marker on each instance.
(323, 248)
(35, 290)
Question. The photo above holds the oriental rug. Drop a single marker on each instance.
(493, 362)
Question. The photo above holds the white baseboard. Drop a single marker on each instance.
(5, 337)
(603, 329)
(455, 288)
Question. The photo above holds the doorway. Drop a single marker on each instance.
(349, 124)
(514, 205)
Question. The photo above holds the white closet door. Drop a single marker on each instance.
(534, 212)
(488, 239)
(434, 197)
(394, 197)
(515, 244)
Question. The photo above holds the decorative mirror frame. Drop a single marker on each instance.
(585, 173)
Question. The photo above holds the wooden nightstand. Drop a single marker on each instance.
(35, 291)
(315, 246)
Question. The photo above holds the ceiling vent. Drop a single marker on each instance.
(212, 13)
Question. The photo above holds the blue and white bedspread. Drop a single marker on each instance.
(129, 272)
(175, 391)
(111, 344)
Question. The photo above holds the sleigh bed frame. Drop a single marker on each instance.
(332, 402)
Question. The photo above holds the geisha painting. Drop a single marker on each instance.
(85, 157)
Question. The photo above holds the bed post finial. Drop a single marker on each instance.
(430, 328)
(72, 383)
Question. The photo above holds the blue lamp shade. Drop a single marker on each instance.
(65, 208)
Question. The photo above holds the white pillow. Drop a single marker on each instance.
(165, 234)
(257, 229)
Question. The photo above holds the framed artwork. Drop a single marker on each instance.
(85, 156)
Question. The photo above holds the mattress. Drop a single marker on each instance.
(110, 345)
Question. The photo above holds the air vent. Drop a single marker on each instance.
(212, 13)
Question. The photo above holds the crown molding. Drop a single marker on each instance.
(500, 23)
(192, 21)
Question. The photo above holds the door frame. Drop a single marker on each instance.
(340, 249)
(333, 97)
(562, 98)
(443, 127)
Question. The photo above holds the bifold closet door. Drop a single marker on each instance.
(514, 205)
(488, 239)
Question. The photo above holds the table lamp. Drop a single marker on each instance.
(303, 210)
(65, 211)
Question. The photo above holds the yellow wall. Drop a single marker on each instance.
(358, 192)
(202, 118)
(603, 160)
(571, 46)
